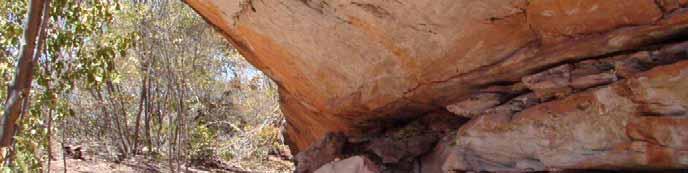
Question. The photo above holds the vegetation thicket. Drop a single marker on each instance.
(128, 79)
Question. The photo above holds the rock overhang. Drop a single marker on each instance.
(340, 63)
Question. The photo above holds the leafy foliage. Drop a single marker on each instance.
(202, 143)
(148, 79)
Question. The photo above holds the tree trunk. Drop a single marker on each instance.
(118, 104)
(64, 154)
(141, 111)
(147, 114)
(21, 86)
(51, 156)
(113, 118)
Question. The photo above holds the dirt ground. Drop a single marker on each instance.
(103, 166)
(96, 157)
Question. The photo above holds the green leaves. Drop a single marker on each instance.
(79, 49)
(98, 54)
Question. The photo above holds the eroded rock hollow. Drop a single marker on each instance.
(471, 85)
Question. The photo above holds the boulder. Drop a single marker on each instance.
(392, 150)
(355, 164)
(326, 150)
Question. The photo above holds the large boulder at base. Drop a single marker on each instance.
(356, 164)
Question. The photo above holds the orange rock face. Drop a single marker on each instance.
(342, 63)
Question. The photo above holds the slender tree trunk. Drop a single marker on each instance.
(162, 108)
(181, 127)
(50, 142)
(118, 127)
(115, 91)
(147, 115)
(141, 111)
(64, 157)
(172, 144)
(21, 86)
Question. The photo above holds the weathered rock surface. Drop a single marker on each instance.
(342, 62)
(637, 123)
(326, 150)
(476, 104)
(356, 164)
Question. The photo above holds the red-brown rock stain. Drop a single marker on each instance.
(659, 156)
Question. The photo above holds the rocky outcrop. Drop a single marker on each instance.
(343, 62)
(598, 110)
(547, 84)
(636, 123)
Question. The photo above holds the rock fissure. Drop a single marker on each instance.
(373, 9)
(318, 7)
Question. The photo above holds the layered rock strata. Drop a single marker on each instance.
(637, 122)
(619, 112)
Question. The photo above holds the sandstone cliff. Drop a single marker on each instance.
(546, 84)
